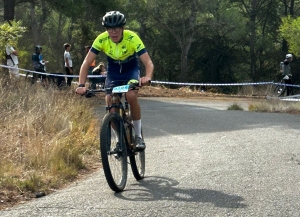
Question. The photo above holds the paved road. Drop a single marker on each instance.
(202, 160)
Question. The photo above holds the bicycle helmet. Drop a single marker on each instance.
(289, 56)
(38, 47)
(114, 19)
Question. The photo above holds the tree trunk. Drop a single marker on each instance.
(183, 76)
(253, 40)
(187, 40)
(34, 25)
(37, 25)
(9, 9)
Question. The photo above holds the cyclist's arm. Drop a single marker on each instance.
(146, 60)
(90, 57)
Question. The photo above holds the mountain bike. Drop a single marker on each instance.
(280, 89)
(117, 139)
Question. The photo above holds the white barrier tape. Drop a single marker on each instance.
(223, 84)
(290, 85)
(46, 73)
(210, 84)
(291, 100)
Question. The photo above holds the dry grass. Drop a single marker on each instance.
(277, 106)
(45, 136)
(257, 90)
(235, 106)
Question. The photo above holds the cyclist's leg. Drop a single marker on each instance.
(135, 109)
(113, 79)
(288, 88)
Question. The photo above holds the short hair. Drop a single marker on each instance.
(66, 45)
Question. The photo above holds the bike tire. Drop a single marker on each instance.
(137, 158)
(113, 153)
(279, 90)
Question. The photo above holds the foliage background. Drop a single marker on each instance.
(188, 40)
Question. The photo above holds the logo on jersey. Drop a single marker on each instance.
(124, 49)
(102, 39)
(130, 37)
(138, 47)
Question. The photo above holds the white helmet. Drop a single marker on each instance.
(289, 56)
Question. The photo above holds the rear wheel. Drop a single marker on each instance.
(113, 152)
(137, 158)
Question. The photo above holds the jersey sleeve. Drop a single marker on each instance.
(138, 44)
(98, 43)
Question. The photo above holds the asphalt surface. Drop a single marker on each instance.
(201, 160)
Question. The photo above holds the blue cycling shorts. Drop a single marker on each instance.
(117, 79)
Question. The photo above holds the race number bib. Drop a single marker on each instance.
(121, 89)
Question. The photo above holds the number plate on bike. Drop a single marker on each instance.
(121, 89)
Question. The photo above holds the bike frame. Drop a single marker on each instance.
(119, 108)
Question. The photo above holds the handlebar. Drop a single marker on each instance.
(90, 93)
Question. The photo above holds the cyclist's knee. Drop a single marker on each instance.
(133, 94)
(108, 100)
(132, 99)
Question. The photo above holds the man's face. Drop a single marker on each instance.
(115, 33)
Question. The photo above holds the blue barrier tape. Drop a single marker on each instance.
(164, 82)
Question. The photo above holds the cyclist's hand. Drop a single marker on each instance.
(290, 75)
(145, 81)
(81, 90)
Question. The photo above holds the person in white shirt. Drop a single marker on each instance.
(68, 63)
(12, 61)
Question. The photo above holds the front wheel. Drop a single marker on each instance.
(113, 152)
(279, 90)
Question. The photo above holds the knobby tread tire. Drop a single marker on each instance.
(105, 140)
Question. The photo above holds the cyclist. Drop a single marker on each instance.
(286, 73)
(121, 48)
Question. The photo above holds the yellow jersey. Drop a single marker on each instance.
(122, 56)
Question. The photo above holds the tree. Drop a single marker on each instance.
(180, 19)
(290, 30)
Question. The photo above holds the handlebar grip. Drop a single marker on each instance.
(89, 93)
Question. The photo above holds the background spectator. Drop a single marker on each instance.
(38, 65)
(12, 60)
(68, 63)
(99, 70)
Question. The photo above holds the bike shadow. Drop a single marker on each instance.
(156, 188)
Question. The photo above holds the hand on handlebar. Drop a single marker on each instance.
(144, 81)
(81, 90)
